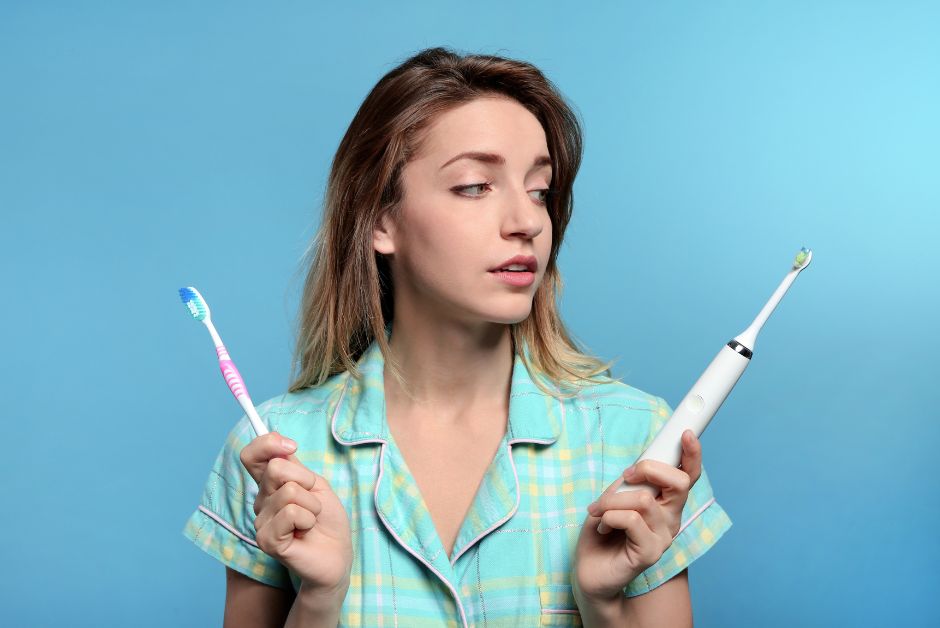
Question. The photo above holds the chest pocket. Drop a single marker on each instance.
(558, 606)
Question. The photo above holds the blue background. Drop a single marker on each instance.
(148, 146)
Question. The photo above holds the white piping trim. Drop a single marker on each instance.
(375, 496)
(339, 405)
(504, 519)
(225, 524)
(694, 516)
(537, 441)
(515, 476)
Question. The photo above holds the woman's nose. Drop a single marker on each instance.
(524, 216)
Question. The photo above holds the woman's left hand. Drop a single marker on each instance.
(640, 527)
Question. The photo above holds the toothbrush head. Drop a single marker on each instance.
(194, 301)
(803, 259)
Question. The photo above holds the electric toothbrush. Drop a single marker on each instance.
(705, 397)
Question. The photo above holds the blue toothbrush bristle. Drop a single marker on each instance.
(192, 300)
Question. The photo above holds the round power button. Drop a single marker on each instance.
(696, 403)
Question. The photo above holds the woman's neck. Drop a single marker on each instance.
(452, 372)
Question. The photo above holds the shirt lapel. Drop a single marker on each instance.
(534, 417)
(360, 419)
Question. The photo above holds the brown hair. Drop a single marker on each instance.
(348, 299)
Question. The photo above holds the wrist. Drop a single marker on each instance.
(320, 599)
(600, 609)
(606, 613)
(589, 590)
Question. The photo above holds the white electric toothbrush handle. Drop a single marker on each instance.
(696, 409)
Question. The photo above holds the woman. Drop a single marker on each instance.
(446, 435)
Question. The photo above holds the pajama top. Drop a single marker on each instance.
(512, 559)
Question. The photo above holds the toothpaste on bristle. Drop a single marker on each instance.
(801, 257)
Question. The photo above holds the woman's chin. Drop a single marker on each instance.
(517, 315)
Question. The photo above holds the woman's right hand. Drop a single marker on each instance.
(300, 520)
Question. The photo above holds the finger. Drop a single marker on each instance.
(672, 481)
(625, 478)
(256, 454)
(613, 486)
(638, 532)
(641, 501)
(278, 472)
(691, 456)
(289, 493)
(280, 530)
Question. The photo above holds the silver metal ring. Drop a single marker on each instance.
(737, 346)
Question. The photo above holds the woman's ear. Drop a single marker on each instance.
(383, 234)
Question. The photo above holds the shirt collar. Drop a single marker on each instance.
(359, 414)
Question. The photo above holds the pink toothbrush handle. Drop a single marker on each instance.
(231, 375)
(237, 385)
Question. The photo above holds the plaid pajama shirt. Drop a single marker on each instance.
(511, 562)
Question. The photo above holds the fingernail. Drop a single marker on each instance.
(592, 508)
(629, 472)
(288, 444)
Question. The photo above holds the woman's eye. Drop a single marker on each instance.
(463, 188)
(544, 195)
(468, 190)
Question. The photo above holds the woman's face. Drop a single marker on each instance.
(461, 217)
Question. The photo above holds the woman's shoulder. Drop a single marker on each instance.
(615, 393)
(621, 407)
(297, 414)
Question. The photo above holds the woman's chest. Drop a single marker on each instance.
(447, 471)
(514, 570)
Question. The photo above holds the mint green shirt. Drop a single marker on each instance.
(512, 559)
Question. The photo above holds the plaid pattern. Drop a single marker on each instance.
(511, 563)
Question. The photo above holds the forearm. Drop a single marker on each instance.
(604, 614)
(315, 609)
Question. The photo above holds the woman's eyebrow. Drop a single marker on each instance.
(494, 158)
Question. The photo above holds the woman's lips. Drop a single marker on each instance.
(514, 278)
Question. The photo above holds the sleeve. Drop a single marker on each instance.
(223, 523)
(704, 521)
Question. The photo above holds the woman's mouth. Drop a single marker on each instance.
(519, 278)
